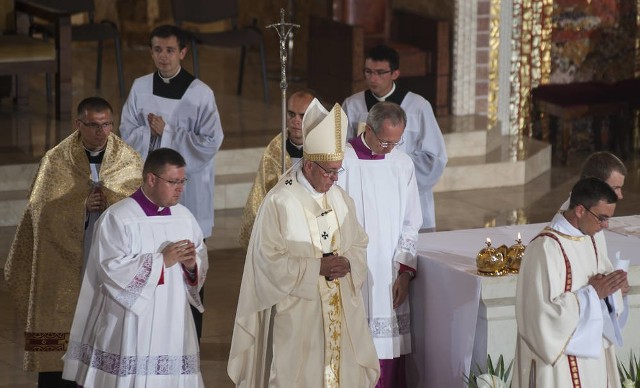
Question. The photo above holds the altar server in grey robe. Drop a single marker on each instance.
(423, 140)
(171, 108)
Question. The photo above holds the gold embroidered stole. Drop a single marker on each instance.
(331, 298)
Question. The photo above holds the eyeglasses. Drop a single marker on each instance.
(180, 182)
(95, 126)
(329, 173)
(386, 144)
(368, 73)
(601, 219)
(292, 115)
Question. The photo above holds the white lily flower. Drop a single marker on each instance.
(490, 381)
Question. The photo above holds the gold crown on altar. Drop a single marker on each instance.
(324, 133)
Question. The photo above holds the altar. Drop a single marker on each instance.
(459, 317)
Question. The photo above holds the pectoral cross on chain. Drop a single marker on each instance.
(325, 235)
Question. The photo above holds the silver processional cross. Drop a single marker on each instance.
(284, 31)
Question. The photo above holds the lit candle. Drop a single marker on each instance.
(519, 238)
(488, 242)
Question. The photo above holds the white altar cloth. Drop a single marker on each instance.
(457, 315)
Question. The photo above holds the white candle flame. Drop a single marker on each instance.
(488, 240)
(519, 238)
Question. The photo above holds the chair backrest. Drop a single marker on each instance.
(204, 11)
(374, 16)
(74, 6)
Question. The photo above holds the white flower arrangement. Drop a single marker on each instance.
(490, 377)
(630, 377)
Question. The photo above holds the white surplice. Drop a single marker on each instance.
(285, 307)
(192, 128)
(388, 207)
(129, 330)
(423, 142)
(564, 330)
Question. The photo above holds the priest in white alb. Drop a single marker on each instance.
(381, 180)
(133, 326)
(424, 142)
(570, 300)
(301, 320)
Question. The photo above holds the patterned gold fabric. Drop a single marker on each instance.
(269, 173)
(44, 266)
(529, 61)
(333, 321)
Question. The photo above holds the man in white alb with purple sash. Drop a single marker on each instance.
(171, 108)
(382, 182)
(133, 326)
(570, 308)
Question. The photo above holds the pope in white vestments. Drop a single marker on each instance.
(381, 180)
(301, 320)
(133, 326)
(569, 304)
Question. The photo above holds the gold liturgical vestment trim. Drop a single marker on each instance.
(332, 316)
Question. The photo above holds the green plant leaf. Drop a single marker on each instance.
(490, 369)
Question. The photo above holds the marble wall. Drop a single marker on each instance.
(593, 40)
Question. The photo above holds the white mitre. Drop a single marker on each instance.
(324, 133)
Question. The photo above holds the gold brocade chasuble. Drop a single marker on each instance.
(269, 173)
(44, 266)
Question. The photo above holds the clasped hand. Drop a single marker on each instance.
(334, 266)
(156, 123)
(606, 285)
(183, 251)
(96, 201)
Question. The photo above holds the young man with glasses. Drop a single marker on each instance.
(303, 274)
(381, 179)
(76, 181)
(423, 141)
(270, 168)
(147, 264)
(570, 300)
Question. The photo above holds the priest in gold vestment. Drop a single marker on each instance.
(300, 320)
(570, 301)
(76, 180)
(270, 168)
